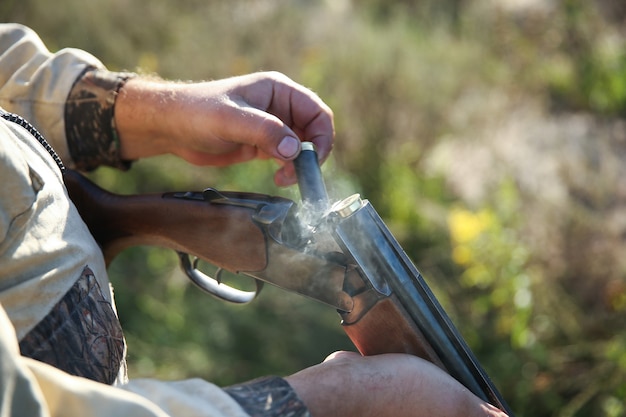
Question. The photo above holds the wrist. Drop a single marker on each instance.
(143, 117)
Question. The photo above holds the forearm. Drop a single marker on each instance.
(199, 122)
(221, 122)
(149, 113)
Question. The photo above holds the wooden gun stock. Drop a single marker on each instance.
(222, 235)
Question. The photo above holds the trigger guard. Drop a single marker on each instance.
(214, 286)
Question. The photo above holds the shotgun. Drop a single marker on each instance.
(340, 254)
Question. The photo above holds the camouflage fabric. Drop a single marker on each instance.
(268, 397)
(89, 123)
(81, 336)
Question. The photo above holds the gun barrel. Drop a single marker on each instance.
(392, 276)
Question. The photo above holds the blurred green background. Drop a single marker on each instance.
(490, 135)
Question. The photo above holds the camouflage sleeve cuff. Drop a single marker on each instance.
(89, 120)
(268, 397)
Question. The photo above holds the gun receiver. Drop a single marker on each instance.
(343, 256)
(247, 233)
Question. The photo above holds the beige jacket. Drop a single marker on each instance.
(44, 246)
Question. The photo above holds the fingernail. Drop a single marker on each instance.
(288, 147)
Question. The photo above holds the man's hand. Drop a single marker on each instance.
(223, 122)
(348, 384)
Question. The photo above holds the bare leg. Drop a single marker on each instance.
(347, 384)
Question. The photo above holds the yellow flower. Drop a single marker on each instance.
(465, 226)
(462, 255)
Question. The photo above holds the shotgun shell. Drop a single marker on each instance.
(310, 180)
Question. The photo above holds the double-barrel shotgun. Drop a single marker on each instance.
(341, 254)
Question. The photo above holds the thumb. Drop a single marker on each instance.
(288, 147)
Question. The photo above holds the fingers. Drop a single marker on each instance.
(274, 114)
(286, 175)
(291, 110)
(304, 112)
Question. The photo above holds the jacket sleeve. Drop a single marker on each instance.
(35, 83)
(32, 388)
